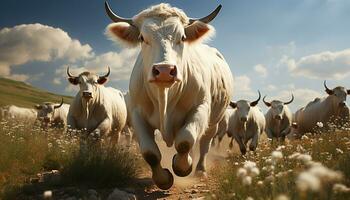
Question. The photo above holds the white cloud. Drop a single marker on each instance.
(121, 65)
(36, 42)
(271, 88)
(57, 81)
(324, 65)
(242, 88)
(261, 69)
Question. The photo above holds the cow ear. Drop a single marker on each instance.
(198, 31)
(124, 33)
(37, 106)
(102, 80)
(348, 92)
(73, 80)
(233, 104)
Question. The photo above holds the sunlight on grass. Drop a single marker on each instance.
(315, 167)
(25, 150)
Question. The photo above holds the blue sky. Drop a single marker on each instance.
(276, 46)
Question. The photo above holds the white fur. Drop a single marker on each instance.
(321, 110)
(13, 112)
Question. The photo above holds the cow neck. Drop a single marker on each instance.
(89, 106)
(331, 109)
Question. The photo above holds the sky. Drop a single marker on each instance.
(277, 47)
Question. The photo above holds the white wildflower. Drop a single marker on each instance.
(254, 172)
(304, 137)
(260, 183)
(326, 174)
(304, 157)
(249, 198)
(339, 150)
(282, 197)
(247, 180)
(249, 165)
(319, 124)
(306, 181)
(47, 194)
(340, 188)
(241, 172)
(294, 155)
(276, 156)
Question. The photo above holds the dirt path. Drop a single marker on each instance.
(189, 187)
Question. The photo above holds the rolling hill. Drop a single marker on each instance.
(21, 94)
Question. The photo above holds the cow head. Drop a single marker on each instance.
(277, 107)
(163, 32)
(88, 83)
(243, 108)
(46, 111)
(339, 95)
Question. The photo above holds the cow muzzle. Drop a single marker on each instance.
(87, 95)
(164, 73)
(244, 119)
(278, 117)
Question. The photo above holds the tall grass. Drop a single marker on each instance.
(26, 150)
(315, 167)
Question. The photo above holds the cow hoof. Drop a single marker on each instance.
(252, 148)
(165, 185)
(180, 172)
(243, 151)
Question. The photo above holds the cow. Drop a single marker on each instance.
(51, 114)
(278, 119)
(96, 109)
(18, 114)
(246, 123)
(178, 85)
(223, 126)
(322, 110)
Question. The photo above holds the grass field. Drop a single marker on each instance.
(21, 94)
(315, 167)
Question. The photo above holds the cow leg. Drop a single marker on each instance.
(242, 146)
(231, 143)
(186, 138)
(255, 140)
(269, 133)
(150, 152)
(204, 145)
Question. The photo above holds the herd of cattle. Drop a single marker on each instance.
(182, 88)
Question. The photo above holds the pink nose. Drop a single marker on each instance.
(164, 73)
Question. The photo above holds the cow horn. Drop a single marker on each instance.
(209, 17)
(268, 104)
(57, 106)
(109, 71)
(254, 103)
(114, 17)
(329, 91)
(69, 74)
(286, 103)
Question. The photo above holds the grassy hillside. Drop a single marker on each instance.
(21, 94)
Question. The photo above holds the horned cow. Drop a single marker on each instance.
(51, 114)
(325, 110)
(245, 124)
(278, 119)
(178, 85)
(96, 108)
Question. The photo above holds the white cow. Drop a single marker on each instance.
(52, 114)
(96, 108)
(323, 110)
(223, 126)
(16, 113)
(246, 123)
(278, 119)
(178, 85)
